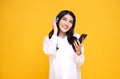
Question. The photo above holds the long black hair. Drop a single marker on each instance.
(71, 31)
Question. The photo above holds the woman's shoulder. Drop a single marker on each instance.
(76, 35)
(46, 38)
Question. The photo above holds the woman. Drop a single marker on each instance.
(64, 61)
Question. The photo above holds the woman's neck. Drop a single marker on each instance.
(62, 35)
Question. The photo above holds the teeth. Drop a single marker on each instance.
(64, 27)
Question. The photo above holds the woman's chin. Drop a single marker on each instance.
(64, 30)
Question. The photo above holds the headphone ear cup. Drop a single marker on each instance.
(57, 19)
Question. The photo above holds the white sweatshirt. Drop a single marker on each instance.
(64, 62)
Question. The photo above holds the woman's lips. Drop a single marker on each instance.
(65, 27)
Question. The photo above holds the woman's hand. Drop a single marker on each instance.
(78, 46)
(54, 26)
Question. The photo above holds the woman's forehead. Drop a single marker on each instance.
(68, 16)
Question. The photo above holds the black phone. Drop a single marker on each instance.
(82, 36)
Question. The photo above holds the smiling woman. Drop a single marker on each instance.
(24, 24)
(64, 61)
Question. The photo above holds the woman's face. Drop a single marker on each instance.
(65, 23)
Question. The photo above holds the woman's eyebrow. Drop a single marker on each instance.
(65, 17)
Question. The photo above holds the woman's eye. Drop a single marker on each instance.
(64, 19)
(71, 22)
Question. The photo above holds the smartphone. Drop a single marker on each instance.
(82, 36)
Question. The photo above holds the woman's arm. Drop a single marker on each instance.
(49, 45)
(80, 58)
(79, 50)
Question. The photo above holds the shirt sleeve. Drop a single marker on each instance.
(49, 45)
(80, 58)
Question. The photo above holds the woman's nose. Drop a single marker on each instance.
(67, 23)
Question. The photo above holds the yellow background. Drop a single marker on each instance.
(25, 23)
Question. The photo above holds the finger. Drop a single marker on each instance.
(78, 42)
(54, 23)
(75, 44)
(54, 20)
